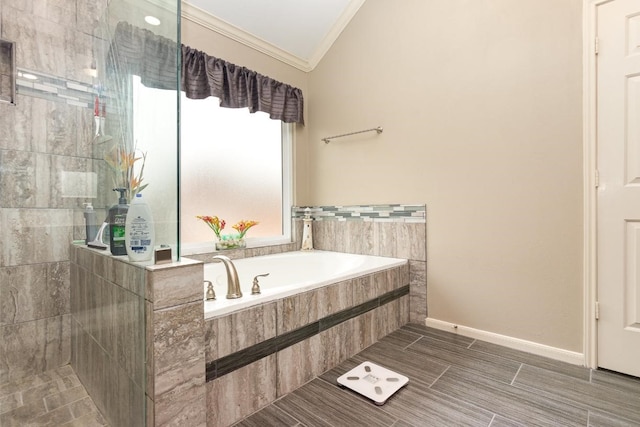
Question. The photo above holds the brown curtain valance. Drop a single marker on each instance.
(154, 58)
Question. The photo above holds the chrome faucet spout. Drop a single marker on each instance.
(233, 283)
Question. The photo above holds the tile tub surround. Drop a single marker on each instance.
(391, 230)
(180, 344)
(259, 354)
(237, 395)
(119, 306)
(348, 316)
(247, 252)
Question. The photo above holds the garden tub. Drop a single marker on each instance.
(289, 273)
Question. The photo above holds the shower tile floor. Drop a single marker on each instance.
(52, 398)
(459, 381)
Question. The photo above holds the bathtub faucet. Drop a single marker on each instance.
(233, 283)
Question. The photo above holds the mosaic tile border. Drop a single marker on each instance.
(386, 213)
(55, 89)
(227, 364)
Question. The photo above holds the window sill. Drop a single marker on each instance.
(187, 249)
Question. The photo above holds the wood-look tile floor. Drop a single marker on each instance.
(52, 398)
(459, 381)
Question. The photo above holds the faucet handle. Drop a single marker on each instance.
(211, 294)
(255, 289)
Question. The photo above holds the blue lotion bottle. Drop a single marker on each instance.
(117, 218)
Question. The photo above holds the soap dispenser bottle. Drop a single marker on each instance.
(139, 232)
(117, 219)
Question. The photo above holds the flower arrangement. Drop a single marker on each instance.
(228, 241)
(243, 226)
(122, 162)
(214, 223)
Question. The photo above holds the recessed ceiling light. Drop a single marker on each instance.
(151, 20)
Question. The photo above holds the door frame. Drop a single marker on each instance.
(589, 136)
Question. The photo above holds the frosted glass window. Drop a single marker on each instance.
(232, 167)
(233, 164)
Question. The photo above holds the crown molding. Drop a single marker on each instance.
(199, 16)
(335, 31)
(205, 19)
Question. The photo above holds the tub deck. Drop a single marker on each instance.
(290, 273)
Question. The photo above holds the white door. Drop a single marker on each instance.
(618, 158)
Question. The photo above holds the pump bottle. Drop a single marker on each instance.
(139, 231)
(117, 218)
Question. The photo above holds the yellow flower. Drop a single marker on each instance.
(243, 226)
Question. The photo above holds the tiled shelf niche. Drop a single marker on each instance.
(7, 71)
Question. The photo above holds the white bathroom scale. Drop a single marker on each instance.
(373, 381)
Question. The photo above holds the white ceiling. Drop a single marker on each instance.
(298, 32)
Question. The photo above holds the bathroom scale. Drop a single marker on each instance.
(373, 381)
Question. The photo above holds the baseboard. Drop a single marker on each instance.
(514, 343)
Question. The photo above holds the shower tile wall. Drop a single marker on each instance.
(41, 140)
(392, 230)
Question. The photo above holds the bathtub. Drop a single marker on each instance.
(289, 273)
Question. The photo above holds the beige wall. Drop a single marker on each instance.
(214, 44)
(481, 107)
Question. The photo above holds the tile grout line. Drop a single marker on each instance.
(439, 376)
(492, 418)
(586, 406)
(73, 401)
(472, 343)
(299, 423)
(516, 375)
(413, 342)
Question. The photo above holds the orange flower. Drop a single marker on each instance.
(122, 164)
(243, 226)
(216, 224)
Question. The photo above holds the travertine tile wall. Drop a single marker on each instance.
(39, 140)
(384, 230)
(138, 338)
(175, 340)
(326, 326)
(242, 392)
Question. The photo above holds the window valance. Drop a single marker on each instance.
(154, 58)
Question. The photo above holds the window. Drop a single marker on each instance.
(234, 165)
